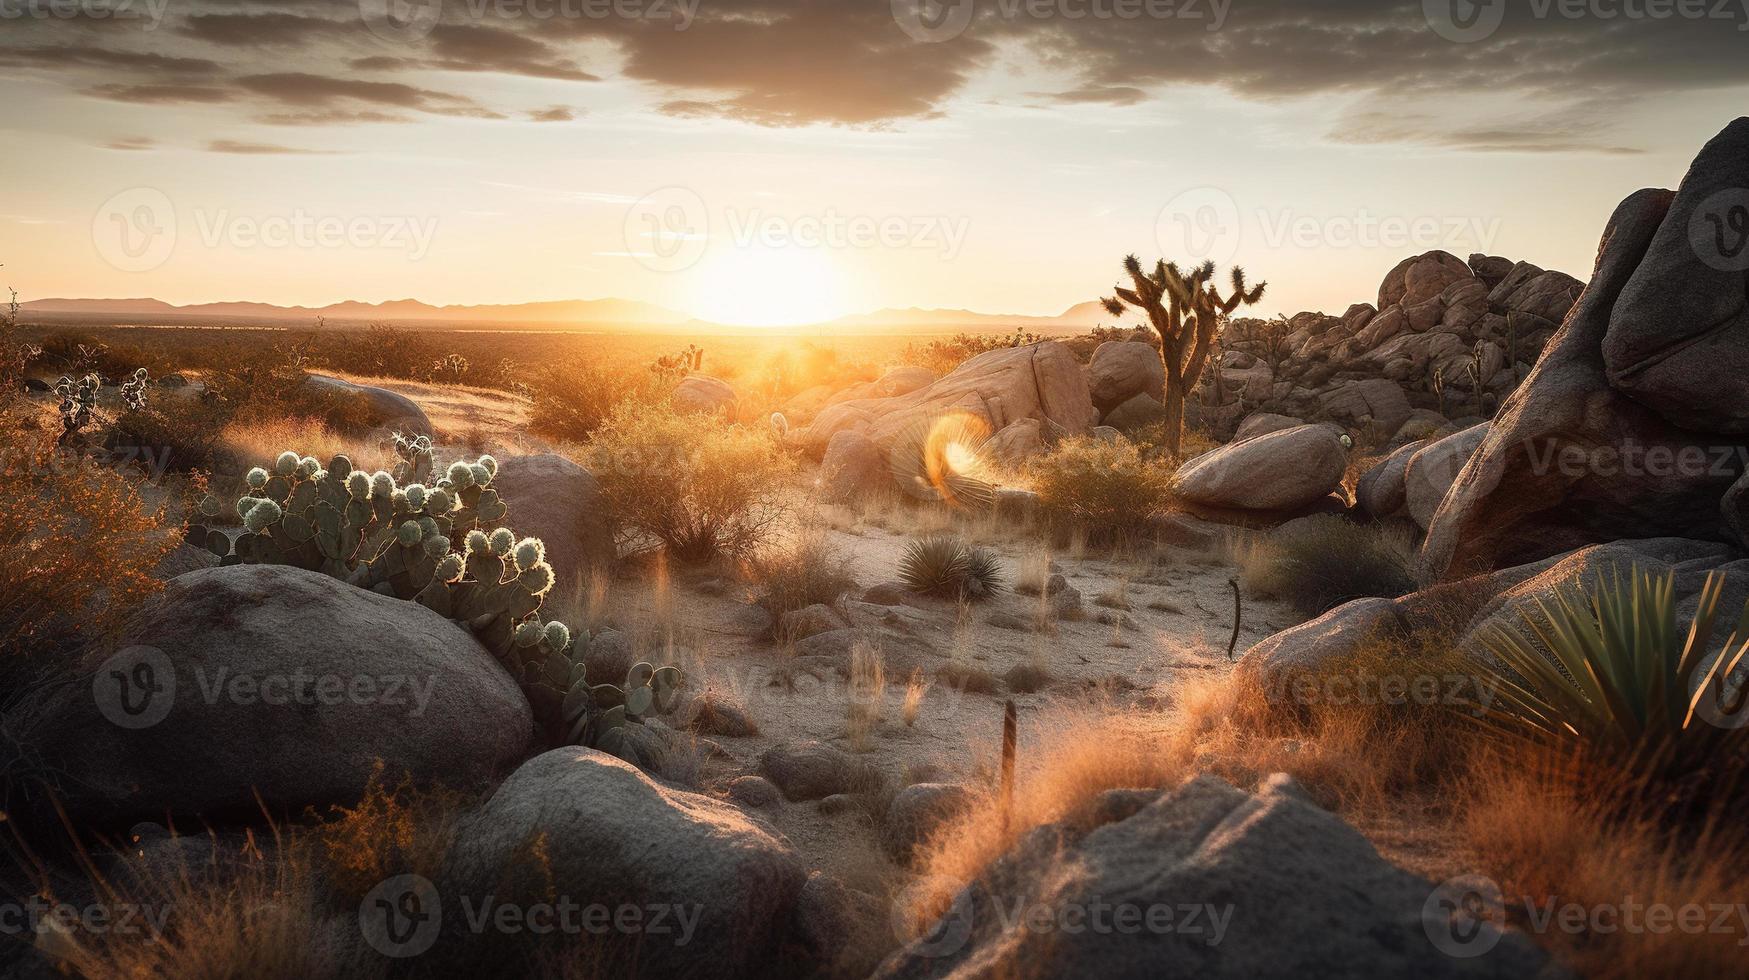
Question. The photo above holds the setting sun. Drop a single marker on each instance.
(766, 287)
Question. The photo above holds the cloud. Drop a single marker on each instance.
(130, 143)
(255, 149)
(557, 113)
(788, 63)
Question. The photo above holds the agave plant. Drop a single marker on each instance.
(1612, 674)
(945, 566)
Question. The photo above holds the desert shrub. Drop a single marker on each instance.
(700, 487)
(1612, 677)
(173, 433)
(385, 352)
(1318, 563)
(808, 572)
(942, 356)
(947, 567)
(81, 545)
(1108, 490)
(574, 399)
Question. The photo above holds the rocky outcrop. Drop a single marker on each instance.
(272, 680)
(1382, 491)
(854, 468)
(1283, 470)
(1599, 442)
(1445, 335)
(1429, 474)
(1040, 381)
(1205, 881)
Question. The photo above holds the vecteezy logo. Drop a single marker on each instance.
(1199, 224)
(136, 688)
(1722, 705)
(401, 916)
(400, 21)
(1464, 21)
(667, 230)
(135, 230)
(1719, 230)
(930, 21)
(1464, 916)
(944, 936)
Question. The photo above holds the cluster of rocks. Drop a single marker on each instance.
(1445, 335)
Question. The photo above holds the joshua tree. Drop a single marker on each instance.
(1186, 312)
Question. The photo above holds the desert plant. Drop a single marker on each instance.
(133, 391)
(1320, 562)
(573, 399)
(1611, 675)
(808, 572)
(451, 368)
(1187, 313)
(1109, 490)
(945, 566)
(702, 488)
(15, 353)
(78, 403)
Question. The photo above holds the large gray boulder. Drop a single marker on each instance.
(1123, 369)
(1382, 491)
(704, 394)
(809, 770)
(1678, 339)
(1572, 460)
(272, 680)
(1430, 472)
(1207, 882)
(390, 411)
(1287, 469)
(582, 825)
(1040, 381)
(551, 497)
(854, 468)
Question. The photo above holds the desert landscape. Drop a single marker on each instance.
(1170, 635)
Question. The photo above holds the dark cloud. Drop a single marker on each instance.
(849, 62)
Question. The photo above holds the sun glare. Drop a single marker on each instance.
(766, 287)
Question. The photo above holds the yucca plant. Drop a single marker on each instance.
(945, 566)
(1612, 676)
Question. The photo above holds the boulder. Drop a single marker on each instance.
(898, 381)
(704, 394)
(1206, 881)
(809, 770)
(1016, 444)
(753, 791)
(552, 498)
(1420, 278)
(1282, 470)
(1376, 400)
(1123, 369)
(1678, 338)
(1041, 381)
(288, 683)
(578, 824)
(853, 468)
(1260, 423)
(1382, 490)
(1430, 472)
(1491, 269)
(1137, 413)
(799, 624)
(917, 811)
(390, 411)
(1570, 460)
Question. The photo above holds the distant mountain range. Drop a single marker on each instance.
(595, 314)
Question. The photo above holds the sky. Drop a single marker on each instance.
(788, 161)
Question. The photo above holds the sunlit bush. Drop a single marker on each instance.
(697, 485)
(573, 399)
(1107, 489)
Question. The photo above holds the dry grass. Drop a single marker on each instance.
(915, 689)
(868, 695)
(808, 571)
(259, 443)
(1318, 563)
